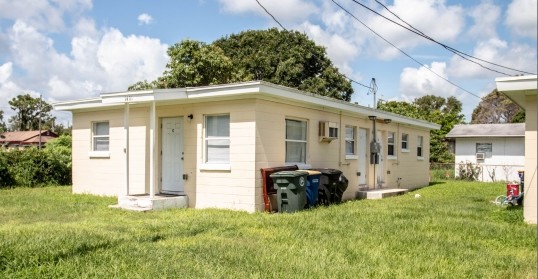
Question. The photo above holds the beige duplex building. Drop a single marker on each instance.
(523, 90)
(208, 144)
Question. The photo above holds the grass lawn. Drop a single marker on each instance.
(452, 231)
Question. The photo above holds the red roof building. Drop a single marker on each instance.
(26, 138)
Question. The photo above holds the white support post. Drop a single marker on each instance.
(152, 150)
(126, 150)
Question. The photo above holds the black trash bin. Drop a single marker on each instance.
(291, 190)
(332, 186)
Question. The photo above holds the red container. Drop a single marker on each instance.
(512, 189)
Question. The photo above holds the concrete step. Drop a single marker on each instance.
(380, 193)
(146, 203)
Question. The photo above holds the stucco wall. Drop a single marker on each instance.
(530, 201)
(270, 147)
(257, 140)
(506, 159)
(106, 176)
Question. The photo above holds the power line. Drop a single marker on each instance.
(403, 52)
(461, 54)
(282, 26)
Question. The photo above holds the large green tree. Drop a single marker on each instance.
(497, 108)
(287, 58)
(29, 111)
(445, 112)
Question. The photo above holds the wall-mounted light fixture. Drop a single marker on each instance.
(387, 121)
(190, 116)
(372, 117)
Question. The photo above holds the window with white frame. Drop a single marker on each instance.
(390, 144)
(350, 140)
(100, 136)
(217, 139)
(419, 146)
(405, 142)
(296, 141)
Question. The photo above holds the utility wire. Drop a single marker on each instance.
(403, 52)
(281, 26)
(461, 54)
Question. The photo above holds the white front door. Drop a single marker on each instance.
(172, 155)
(363, 156)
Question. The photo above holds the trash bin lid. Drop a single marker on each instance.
(312, 172)
(289, 174)
(329, 171)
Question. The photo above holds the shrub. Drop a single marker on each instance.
(468, 171)
(33, 167)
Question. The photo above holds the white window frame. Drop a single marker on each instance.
(302, 141)
(420, 147)
(406, 142)
(391, 135)
(209, 163)
(94, 137)
(352, 141)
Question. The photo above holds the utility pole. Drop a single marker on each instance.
(39, 120)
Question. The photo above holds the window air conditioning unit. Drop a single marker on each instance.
(328, 131)
(480, 156)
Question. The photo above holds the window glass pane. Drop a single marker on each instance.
(218, 150)
(218, 126)
(101, 144)
(391, 138)
(349, 133)
(101, 129)
(350, 147)
(390, 150)
(295, 152)
(295, 130)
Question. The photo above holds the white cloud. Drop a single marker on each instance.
(286, 11)
(43, 14)
(486, 16)
(522, 18)
(144, 19)
(432, 17)
(415, 83)
(106, 61)
(513, 55)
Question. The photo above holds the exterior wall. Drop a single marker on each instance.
(530, 200)
(406, 169)
(270, 147)
(211, 188)
(257, 140)
(507, 158)
(106, 176)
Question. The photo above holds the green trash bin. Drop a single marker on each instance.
(291, 190)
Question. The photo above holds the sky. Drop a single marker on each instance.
(76, 49)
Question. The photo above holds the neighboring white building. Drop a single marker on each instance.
(499, 149)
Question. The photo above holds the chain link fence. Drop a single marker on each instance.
(472, 171)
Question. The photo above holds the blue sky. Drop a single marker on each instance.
(74, 49)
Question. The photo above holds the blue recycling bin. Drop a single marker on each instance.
(312, 186)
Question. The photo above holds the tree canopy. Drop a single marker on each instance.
(29, 111)
(445, 112)
(497, 108)
(282, 57)
(3, 127)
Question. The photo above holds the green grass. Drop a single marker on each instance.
(452, 231)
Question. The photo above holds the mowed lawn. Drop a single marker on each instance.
(452, 231)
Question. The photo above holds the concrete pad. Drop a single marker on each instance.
(380, 193)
